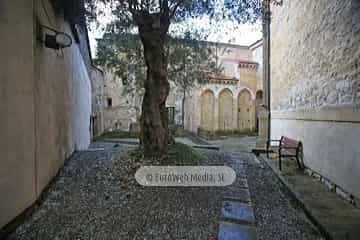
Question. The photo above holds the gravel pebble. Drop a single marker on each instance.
(97, 197)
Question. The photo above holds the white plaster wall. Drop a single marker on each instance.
(17, 140)
(330, 148)
(80, 102)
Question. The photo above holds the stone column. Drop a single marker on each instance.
(264, 114)
(196, 111)
(253, 115)
(235, 112)
(216, 113)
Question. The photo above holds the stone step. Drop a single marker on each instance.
(241, 195)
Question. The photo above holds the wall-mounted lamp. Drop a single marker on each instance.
(56, 39)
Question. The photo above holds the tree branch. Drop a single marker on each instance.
(175, 8)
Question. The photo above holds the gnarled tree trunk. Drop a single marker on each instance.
(154, 119)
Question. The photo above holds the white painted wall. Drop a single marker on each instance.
(80, 102)
(330, 148)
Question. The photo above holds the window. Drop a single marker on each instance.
(109, 102)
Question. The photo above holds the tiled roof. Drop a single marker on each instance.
(213, 75)
(239, 60)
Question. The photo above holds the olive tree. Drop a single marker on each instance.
(152, 19)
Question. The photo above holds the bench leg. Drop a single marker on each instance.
(298, 162)
(280, 162)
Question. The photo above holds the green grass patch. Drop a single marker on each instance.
(118, 134)
(218, 134)
(183, 155)
(178, 155)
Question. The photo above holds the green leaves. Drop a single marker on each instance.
(124, 11)
(122, 54)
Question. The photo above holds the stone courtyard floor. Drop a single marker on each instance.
(96, 197)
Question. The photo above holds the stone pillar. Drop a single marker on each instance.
(253, 115)
(263, 124)
(235, 112)
(264, 114)
(216, 113)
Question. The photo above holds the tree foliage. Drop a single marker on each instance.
(122, 54)
(152, 19)
(126, 12)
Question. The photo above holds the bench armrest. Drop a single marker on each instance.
(289, 147)
(272, 140)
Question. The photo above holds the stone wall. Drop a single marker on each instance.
(248, 77)
(198, 110)
(97, 100)
(45, 104)
(126, 106)
(239, 63)
(257, 56)
(315, 84)
(315, 54)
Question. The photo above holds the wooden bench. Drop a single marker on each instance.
(286, 147)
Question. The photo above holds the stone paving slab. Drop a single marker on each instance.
(238, 211)
(242, 182)
(241, 195)
(232, 231)
(237, 206)
(240, 172)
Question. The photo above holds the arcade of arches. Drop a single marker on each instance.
(227, 110)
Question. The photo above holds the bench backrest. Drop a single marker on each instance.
(288, 142)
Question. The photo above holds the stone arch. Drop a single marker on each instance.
(259, 95)
(207, 103)
(226, 109)
(244, 110)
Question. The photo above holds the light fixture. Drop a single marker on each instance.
(56, 39)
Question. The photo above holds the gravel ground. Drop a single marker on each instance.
(96, 197)
(277, 216)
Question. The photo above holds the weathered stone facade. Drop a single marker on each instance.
(315, 84)
(220, 96)
(97, 100)
(227, 102)
(121, 107)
